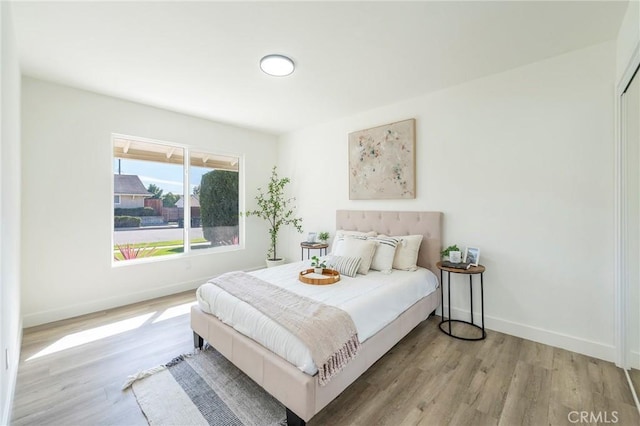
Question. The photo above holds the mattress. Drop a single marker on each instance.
(373, 301)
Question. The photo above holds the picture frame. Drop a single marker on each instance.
(472, 256)
(311, 238)
(382, 162)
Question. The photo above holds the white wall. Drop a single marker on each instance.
(67, 153)
(10, 325)
(628, 37)
(521, 164)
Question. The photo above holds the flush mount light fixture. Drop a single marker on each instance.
(277, 65)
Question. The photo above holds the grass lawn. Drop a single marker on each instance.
(162, 248)
(162, 243)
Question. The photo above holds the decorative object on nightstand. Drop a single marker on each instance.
(458, 265)
(471, 271)
(455, 256)
(447, 253)
(472, 256)
(277, 210)
(318, 265)
(323, 237)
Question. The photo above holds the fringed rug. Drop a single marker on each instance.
(203, 389)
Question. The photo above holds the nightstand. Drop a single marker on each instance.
(312, 246)
(474, 270)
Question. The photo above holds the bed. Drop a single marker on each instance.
(300, 392)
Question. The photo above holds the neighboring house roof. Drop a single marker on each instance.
(129, 185)
(194, 202)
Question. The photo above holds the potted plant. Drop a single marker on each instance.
(277, 210)
(323, 237)
(453, 254)
(317, 264)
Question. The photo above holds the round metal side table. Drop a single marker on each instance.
(445, 325)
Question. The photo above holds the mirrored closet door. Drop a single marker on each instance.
(630, 115)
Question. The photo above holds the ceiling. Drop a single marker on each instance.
(202, 58)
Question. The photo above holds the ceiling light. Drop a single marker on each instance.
(277, 65)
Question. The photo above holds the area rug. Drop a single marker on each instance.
(203, 388)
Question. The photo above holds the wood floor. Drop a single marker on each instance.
(634, 374)
(427, 379)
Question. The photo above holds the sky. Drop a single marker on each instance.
(166, 176)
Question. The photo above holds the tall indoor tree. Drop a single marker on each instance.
(277, 209)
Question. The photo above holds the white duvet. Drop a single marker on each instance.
(373, 301)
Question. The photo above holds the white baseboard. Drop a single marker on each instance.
(52, 315)
(7, 407)
(536, 334)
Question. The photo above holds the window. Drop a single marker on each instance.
(214, 211)
(152, 215)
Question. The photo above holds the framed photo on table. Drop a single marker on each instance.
(472, 256)
(311, 238)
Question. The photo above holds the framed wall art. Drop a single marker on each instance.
(382, 162)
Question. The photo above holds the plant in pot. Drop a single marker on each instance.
(277, 210)
(317, 264)
(453, 254)
(323, 237)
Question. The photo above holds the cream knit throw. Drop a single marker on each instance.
(327, 331)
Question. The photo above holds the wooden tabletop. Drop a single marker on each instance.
(473, 270)
(313, 245)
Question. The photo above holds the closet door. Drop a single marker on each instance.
(631, 204)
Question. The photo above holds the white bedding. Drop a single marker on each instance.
(373, 301)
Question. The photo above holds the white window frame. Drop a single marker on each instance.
(187, 251)
(116, 203)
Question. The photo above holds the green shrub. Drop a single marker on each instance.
(126, 221)
(218, 201)
(136, 211)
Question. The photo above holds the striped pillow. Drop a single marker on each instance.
(345, 265)
(385, 253)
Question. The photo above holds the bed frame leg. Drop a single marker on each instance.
(294, 420)
(198, 342)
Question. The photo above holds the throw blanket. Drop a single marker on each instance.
(327, 331)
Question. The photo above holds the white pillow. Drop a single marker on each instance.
(385, 252)
(345, 265)
(338, 240)
(364, 249)
(407, 252)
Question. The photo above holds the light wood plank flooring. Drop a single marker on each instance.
(427, 379)
(634, 373)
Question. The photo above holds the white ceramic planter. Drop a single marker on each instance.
(272, 263)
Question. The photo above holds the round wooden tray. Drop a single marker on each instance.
(330, 276)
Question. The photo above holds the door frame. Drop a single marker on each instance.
(621, 280)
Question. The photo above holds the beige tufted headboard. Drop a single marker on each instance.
(394, 223)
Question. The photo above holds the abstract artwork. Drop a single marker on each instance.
(382, 162)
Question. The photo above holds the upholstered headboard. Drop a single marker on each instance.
(395, 223)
